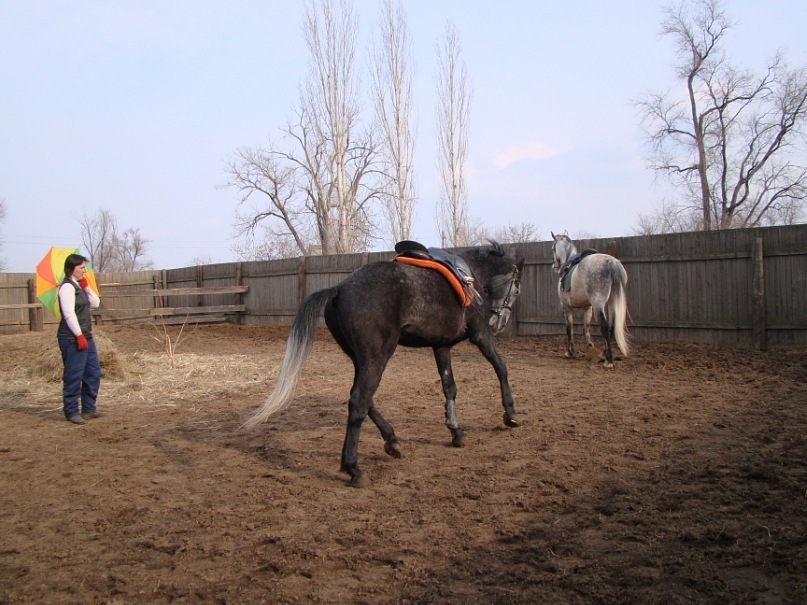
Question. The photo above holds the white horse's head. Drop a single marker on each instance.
(562, 250)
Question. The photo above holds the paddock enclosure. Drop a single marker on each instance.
(680, 476)
(740, 288)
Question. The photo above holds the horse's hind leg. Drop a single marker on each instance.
(587, 327)
(387, 433)
(442, 355)
(605, 330)
(366, 381)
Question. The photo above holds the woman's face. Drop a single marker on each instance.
(78, 272)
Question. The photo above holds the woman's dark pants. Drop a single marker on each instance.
(81, 378)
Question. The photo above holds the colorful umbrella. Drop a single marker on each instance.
(50, 273)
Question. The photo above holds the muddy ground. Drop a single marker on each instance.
(680, 476)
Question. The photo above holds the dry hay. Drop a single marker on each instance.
(196, 377)
(149, 379)
(47, 363)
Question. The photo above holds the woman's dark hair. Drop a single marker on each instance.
(71, 262)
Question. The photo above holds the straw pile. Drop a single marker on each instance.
(47, 363)
(135, 371)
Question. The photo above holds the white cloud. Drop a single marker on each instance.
(528, 151)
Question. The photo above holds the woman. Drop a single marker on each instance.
(82, 371)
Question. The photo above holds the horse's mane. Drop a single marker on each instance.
(494, 249)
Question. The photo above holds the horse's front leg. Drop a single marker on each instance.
(488, 349)
(569, 315)
(442, 355)
(587, 327)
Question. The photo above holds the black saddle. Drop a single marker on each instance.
(455, 264)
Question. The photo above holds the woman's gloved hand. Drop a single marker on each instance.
(81, 342)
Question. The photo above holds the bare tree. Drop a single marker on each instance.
(732, 144)
(99, 238)
(669, 218)
(519, 233)
(272, 177)
(3, 264)
(107, 249)
(392, 87)
(269, 244)
(202, 259)
(453, 111)
(319, 190)
(130, 251)
(331, 98)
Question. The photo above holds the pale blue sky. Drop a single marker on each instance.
(134, 106)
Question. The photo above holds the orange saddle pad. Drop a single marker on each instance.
(465, 297)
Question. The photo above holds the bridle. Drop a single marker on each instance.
(512, 283)
(556, 264)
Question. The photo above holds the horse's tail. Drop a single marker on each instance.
(619, 306)
(298, 345)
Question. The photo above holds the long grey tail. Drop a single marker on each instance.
(301, 337)
(619, 306)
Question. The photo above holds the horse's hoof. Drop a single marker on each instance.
(511, 422)
(392, 449)
(457, 438)
(357, 481)
(607, 365)
(568, 355)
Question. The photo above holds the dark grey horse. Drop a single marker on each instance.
(595, 281)
(384, 304)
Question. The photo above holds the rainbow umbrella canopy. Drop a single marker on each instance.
(50, 273)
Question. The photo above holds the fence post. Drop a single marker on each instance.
(511, 329)
(35, 319)
(239, 296)
(301, 281)
(99, 319)
(156, 300)
(758, 260)
(200, 283)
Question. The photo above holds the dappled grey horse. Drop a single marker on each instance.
(384, 304)
(593, 282)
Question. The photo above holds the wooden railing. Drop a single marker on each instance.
(166, 314)
(159, 312)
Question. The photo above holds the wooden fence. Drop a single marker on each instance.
(742, 288)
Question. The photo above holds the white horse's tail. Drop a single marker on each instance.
(619, 306)
(298, 345)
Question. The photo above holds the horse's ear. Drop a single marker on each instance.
(553, 235)
(520, 267)
(566, 233)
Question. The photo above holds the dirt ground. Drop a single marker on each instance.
(680, 476)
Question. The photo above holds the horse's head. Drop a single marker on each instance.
(499, 278)
(562, 250)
